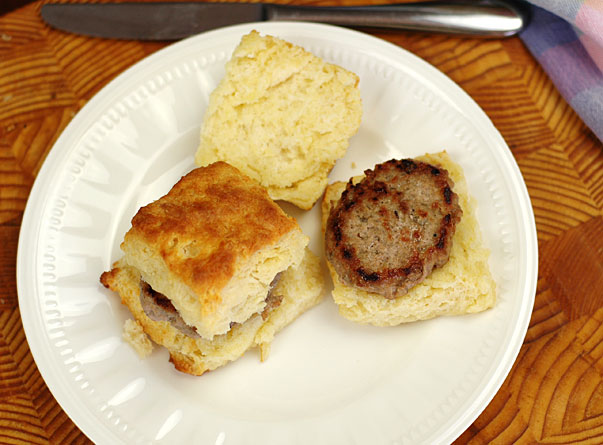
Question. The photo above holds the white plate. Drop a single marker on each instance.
(327, 381)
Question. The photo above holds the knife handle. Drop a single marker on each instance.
(490, 18)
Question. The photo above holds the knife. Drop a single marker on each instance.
(173, 21)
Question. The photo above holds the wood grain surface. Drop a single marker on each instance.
(554, 392)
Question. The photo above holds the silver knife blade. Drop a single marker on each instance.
(148, 21)
(174, 21)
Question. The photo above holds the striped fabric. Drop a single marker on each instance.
(566, 37)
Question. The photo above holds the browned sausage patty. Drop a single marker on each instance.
(388, 232)
(160, 308)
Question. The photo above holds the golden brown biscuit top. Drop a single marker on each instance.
(212, 219)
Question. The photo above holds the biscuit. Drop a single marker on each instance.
(461, 286)
(300, 287)
(213, 246)
(282, 116)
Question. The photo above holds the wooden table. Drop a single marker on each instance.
(553, 394)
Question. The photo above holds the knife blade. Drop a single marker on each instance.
(174, 21)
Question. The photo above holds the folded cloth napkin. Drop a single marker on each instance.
(566, 37)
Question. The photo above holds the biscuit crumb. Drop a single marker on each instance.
(264, 351)
(136, 337)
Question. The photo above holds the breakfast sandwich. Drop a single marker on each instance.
(282, 116)
(212, 269)
(403, 244)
